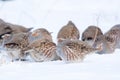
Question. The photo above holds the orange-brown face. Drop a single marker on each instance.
(35, 35)
(42, 31)
(36, 32)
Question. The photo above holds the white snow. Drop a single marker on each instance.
(52, 15)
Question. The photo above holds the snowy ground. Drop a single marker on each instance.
(52, 15)
(94, 67)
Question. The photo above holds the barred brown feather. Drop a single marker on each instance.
(73, 50)
(68, 31)
(42, 50)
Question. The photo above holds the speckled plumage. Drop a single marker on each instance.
(90, 34)
(42, 47)
(68, 31)
(15, 45)
(42, 50)
(9, 28)
(73, 50)
(109, 41)
(40, 33)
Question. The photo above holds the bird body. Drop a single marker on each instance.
(42, 50)
(68, 31)
(41, 46)
(15, 45)
(90, 34)
(109, 41)
(40, 33)
(73, 50)
(9, 28)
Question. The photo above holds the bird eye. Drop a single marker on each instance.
(89, 38)
(8, 32)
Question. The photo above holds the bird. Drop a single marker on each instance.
(1, 21)
(69, 31)
(41, 46)
(42, 50)
(73, 51)
(15, 28)
(109, 41)
(15, 45)
(90, 34)
(10, 28)
(40, 33)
